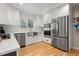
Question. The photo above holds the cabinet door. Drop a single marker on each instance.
(47, 18)
(29, 40)
(10, 16)
(19, 41)
(39, 21)
(17, 17)
(3, 14)
(13, 16)
(23, 42)
(22, 38)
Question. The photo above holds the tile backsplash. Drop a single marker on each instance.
(13, 29)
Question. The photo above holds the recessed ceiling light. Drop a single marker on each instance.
(20, 3)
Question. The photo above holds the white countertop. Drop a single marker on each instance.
(9, 45)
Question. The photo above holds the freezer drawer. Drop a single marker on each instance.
(54, 40)
(60, 43)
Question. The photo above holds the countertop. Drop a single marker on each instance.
(9, 45)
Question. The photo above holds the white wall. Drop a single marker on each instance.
(76, 32)
(70, 27)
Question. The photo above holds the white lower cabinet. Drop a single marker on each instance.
(48, 40)
(34, 39)
(29, 40)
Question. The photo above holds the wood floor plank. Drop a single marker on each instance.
(45, 49)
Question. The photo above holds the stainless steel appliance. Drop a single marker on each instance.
(47, 30)
(48, 25)
(60, 33)
(21, 39)
(47, 33)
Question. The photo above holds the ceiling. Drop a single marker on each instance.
(36, 8)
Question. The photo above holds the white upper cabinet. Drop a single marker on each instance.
(3, 14)
(13, 16)
(9, 15)
(47, 18)
(39, 21)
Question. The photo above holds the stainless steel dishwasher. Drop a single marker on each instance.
(21, 38)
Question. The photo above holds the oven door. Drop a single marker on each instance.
(47, 33)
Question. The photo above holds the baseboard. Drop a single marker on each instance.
(37, 43)
(77, 48)
(46, 42)
(34, 43)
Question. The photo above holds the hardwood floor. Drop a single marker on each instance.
(44, 49)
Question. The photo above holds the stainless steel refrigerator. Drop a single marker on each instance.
(60, 33)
